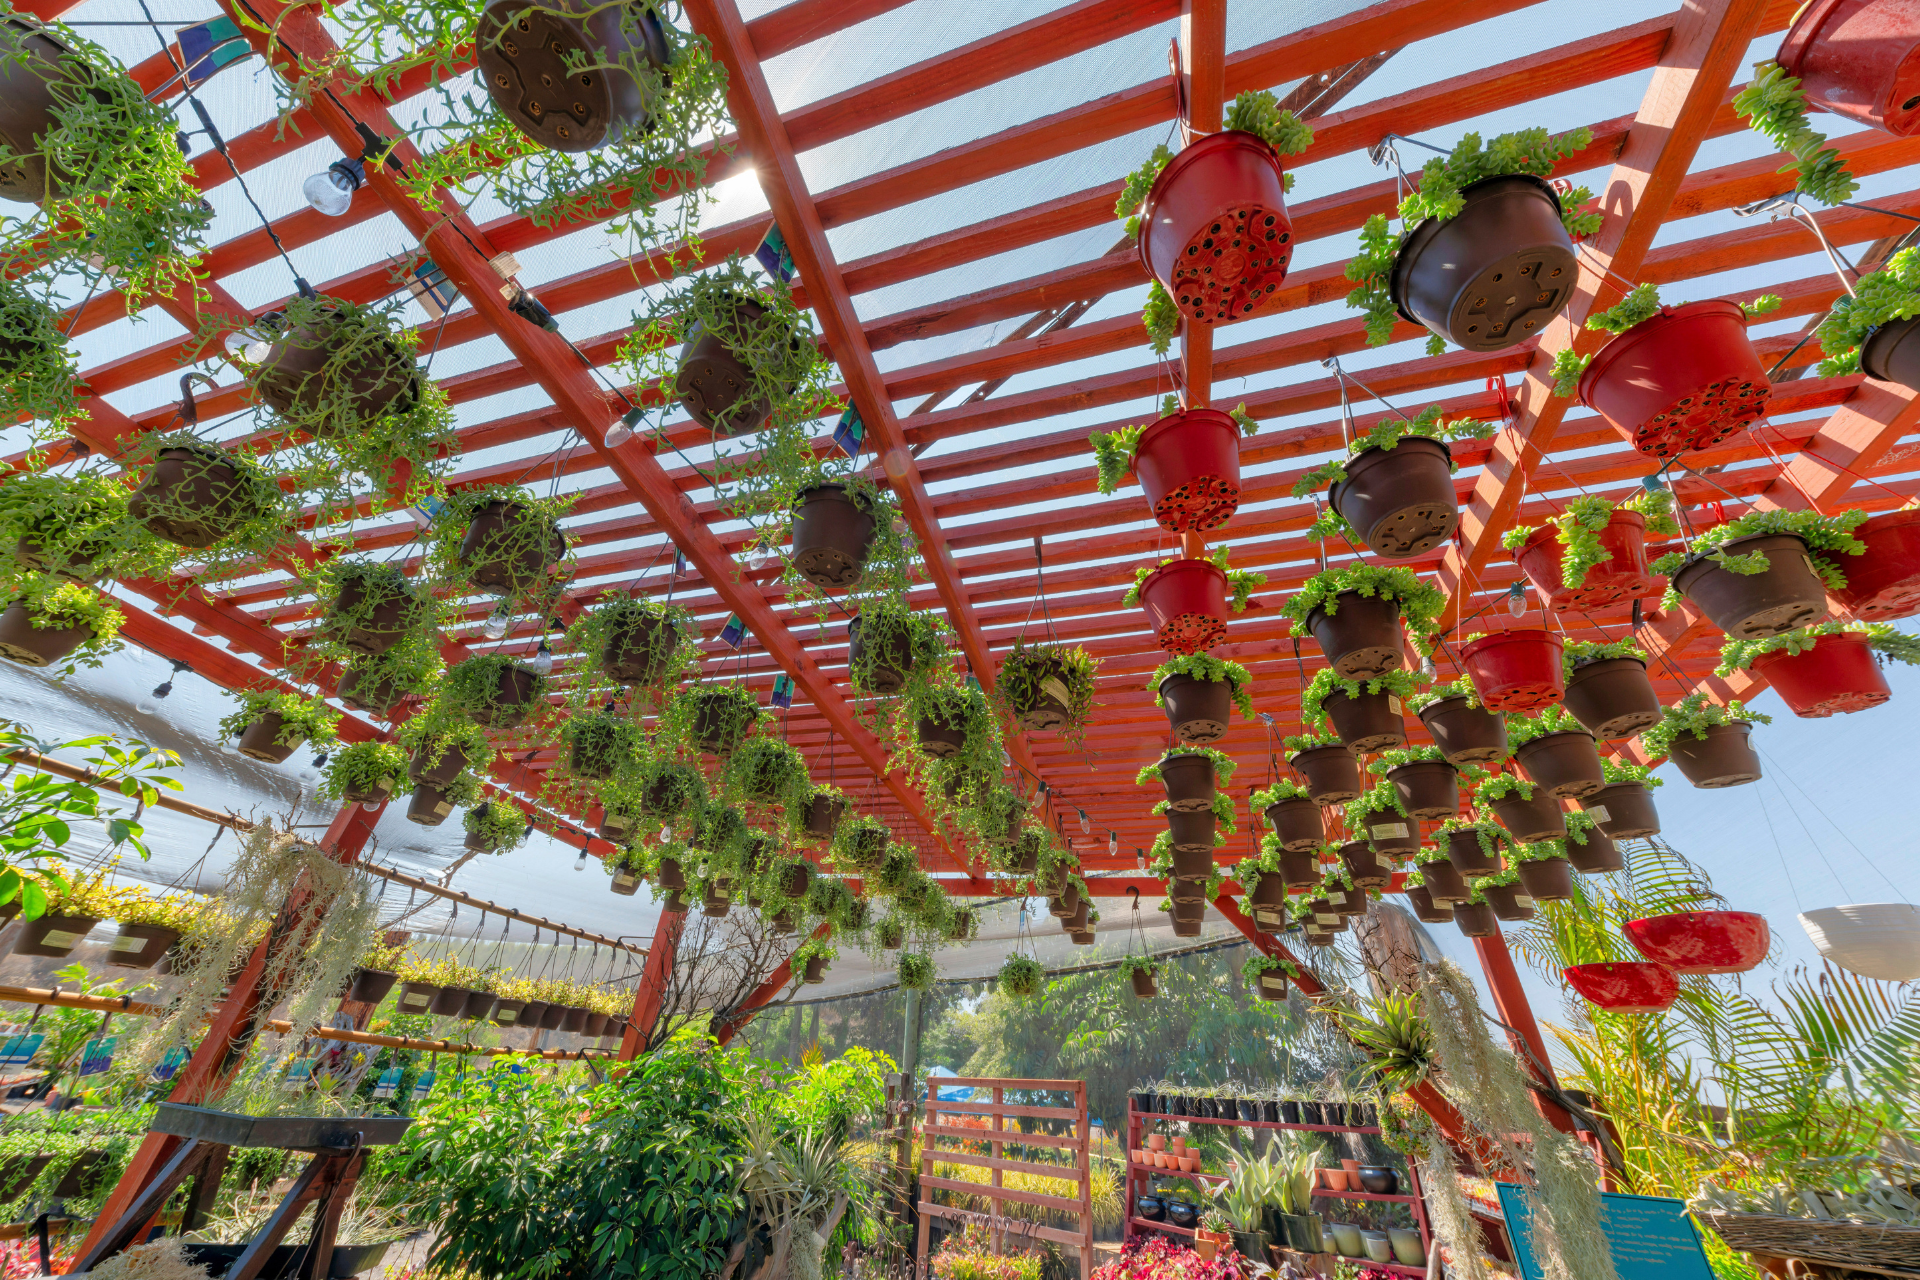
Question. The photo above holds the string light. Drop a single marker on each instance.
(580, 863)
(331, 190)
(622, 431)
(496, 624)
(543, 659)
(1517, 599)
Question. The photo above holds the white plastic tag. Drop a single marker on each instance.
(1598, 812)
(1390, 831)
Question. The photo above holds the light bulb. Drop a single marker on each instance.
(543, 659)
(496, 623)
(331, 190)
(1426, 666)
(235, 343)
(1517, 600)
(666, 834)
(756, 557)
(147, 707)
(622, 431)
(371, 806)
(256, 351)
(580, 863)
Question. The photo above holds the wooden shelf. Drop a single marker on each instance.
(1155, 1171)
(1261, 1124)
(1362, 1195)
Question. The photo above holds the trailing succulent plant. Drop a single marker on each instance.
(1879, 297)
(76, 525)
(1776, 107)
(519, 552)
(1578, 529)
(1204, 666)
(1617, 772)
(1827, 538)
(1114, 451)
(729, 713)
(302, 718)
(1240, 582)
(1420, 602)
(1738, 655)
(38, 368)
(636, 634)
(1462, 687)
(1694, 715)
(767, 771)
(1641, 304)
(498, 825)
(916, 970)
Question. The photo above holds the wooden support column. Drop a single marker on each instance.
(1203, 68)
(654, 977)
(729, 1024)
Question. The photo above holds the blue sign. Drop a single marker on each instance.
(18, 1051)
(1651, 1237)
(849, 433)
(208, 46)
(388, 1083)
(97, 1055)
(734, 632)
(175, 1059)
(783, 691)
(773, 255)
(422, 1085)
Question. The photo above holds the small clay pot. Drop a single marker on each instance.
(816, 971)
(507, 1013)
(1465, 733)
(1391, 833)
(1612, 697)
(1330, 774)
(260, 740)
(832, 537)
(1370, 722)
(374, 697)
(938, 740)
(713, 380)
(1361, 638)
(1197, 710)
(1624, 810)
(1300, 867)
(370, 986)
(513, 700)
(1724, 758)
(1564, 765)
(381, 627)
(1427, 788)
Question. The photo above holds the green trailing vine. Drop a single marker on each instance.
(1223, 765)
(38, 367)
(916, 971)
(1459, 688)
(767, 771)
(1387, 434)
(1420, 602)
(1578, 529)
(1575, 654)
(1260, 801)
(58, 604)
(1826, 538)
(1317, 735)
(1879, 297)
(523, 559)
(913, 644)
(1694, 715)
(249, 513)
(1641, 304)
(1553, 718)
(1021, 976)
(1030, 673)
(1499, 787)
(471, 689)
(603, 743)
(76, 525)
(1617, 772)
(302, 718)
(1776, 107)
(668, 640)
(1386, 762)
(731, 712)
(1256, 111)
(1398, 684)
(362, 768)
(1258, 964)
(430, 740)
(1160, 317)
(1204, 666)
(1738, 655)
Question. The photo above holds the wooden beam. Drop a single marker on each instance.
(1203, 59)
(1854, 437)
(655, 977)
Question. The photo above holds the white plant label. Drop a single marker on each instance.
(1390, 831)
(1598, 812)
(60, 938)
(506, 1016)
(1326, 917)
(1273, 982)
(1394, 703)
(415, 1000)
(1052, 685)
(122, 945)
(1523, 900)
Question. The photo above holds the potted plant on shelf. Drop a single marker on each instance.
(1593, 555)
(1331, 772)
(494, 827)
(56, 621)
(198, 495)
(376, 972)
(1623, 808)
(1707, 742)
(38, 367)
(1268, 975)
(1187, 600)
(1527, 812)
(1046, 687)
(1607, 689)
(714, 718)
(637, 642)
(1557, 752)
(1211, 1235)
(1765, 572)
(1425, 783)
(272, 723)
(1369, 713)
(1291, 814)
(1140, 971)
(1871, 329)
(600, 744)
(1464, 730)
(1673, 379)
(891, 647)
(1476, 216)
(1356, 615)
(1517, 669)
(1826, 669)
(1393, 490)
(1188, 462)
(368, 773)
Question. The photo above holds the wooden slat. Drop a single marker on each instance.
(1059, 1204)
(1017, 1227)
(996, 1082)
(1027, 1139)
(1007, 1109)
(1063, 1172)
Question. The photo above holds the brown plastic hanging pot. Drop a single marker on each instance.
(479, 1005)
(1300, 866)
(1624, 575)
(1330, 773)
(52, 935)
(1189, 782)
(261, 740)
(1612, 697)
(1391, 833)
(630, 656)
(624, 882)
(1528, 821)
(31, 646)
(507, 1013)
(1370, 722)
(513, 700)
(1364, 866)
(1859, 59)
(1509, 902)
(193, 496)
(1837, 674)
(443, 771)
(32, 61)
(1427, 788)
(1475, 919)
(1186, 604)
(1401, 501)
(324, 362)
(370, 986)
(1564, 765)
(824, 814)
(1884, 582)
(936, 739)
(416, 997)
(1624, 810)
(385, 624)
(379, 793)
(1683, 380)
(1465, 734)
(1466, 855)
(1425, 909)
(1214, 229)
(1891, 352)
(1142, 980)
(1786, 596)
(507, 548)
(1047, 711)
(1546, 879)
(563, 80)
(1296, 823)
(832, 536)
(1361, 637)
(1493, 274)
(448, 1002)
(1597, 855)
(375, 697)
(1264, 888)
(1188, 463)
(1197, 710)
(553, 1016)
(1724, 758)
(1445, 884)
(1515, 670)
(1192, 832)
(713, 380)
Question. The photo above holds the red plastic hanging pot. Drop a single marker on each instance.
(1186, 601)
(1189, 465)
(1623, 576)
(1626, 986)
(1860, 59)
(1214, 229)
(1884, 581)
(1838, 674)
(1683, 380)
(1702, 941)
(1515, 670)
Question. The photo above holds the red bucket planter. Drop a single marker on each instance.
(1189, 465)
(1515, 670)
(1695, 942)
(1186, 601)
(1860, 59)
(1214, 229)
(1623, 576)
(1627, 986)
(1683, 380)
(1838, 674)
(1884, 581)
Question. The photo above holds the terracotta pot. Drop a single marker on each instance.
(1461, 277)
(1612, 697)
(1515, 670)
(1465, 734)
(1189, 783)
(629, 656)
(1527, 821)
(1364, 865)
(429, 805)
(1884, 582)
(380, 628)
(824, 814)
(1427, 788)
(1214, 228)
(1626, 986)
(1468, 857)
(1683, 380)
(440, 773)
(1445, 885)
(310, 367)
(1509, 901)
(1330, 774)
(416, 997)
(523, 53)
(507, 548)
(1400, 501)
(1186, 604)
(1301, 867)
(1724, 758)
(259, 741)
(31, 646)
(1361, 637)
(1694, 942)
(1838, 674)
(713, 380)
(1624, 575)
(1189, 465)
(1856, 58)
(193, 496)
(1786, 596)
(1566, 765)
(1297, 823)
(1192, 831)
(1370, 722)
(1420, 898)
(1624, 810)
(1546, 879)
(1334, 1179)
(1597, 856)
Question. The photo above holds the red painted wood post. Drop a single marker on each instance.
(652, 991)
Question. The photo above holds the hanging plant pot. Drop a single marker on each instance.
(1566, 765)
(1599, 856)
(417, 997)
(1528, 821)
(639, 648)
(1476, 919)
(1695, 942)
(513, 698)
(1393, 834)
(1612, 697)
(1142, 980)
(937, 740)
(560, 78)
(325, 362)
(832, 536)
(379, 793)
(713, 381)
(1214, 229)
(140, 946)
(370, 986)
(595, 1025)
(449, 1002)
(1546, 879)
(1361, 637)
(674, 877)
(718, 722)
(507, 548)
(816, 971)
(891, 663)
(1330, 773)
(1197, 710)
(1364, 866)
(1445, 884)
(31, 646)
(624, 883)
(553, 1017)
(1625, 986)
(1186, 604)
(375, 697)
(1855, 58)
(1401, 501)
(1785, 596)
(1189, 465)
(1297, 824)
(824, 814)
(1876, 940)
(1493, 274)
(1515, 670)
(1883, 582)
(439, 773)
(429, 806)
(1420, 898)
(261, 740)
(1509, 901)
(193, 496)
(1837, 675)
(1047, 709)
(1271, 986)
(1891, 352)
(1465, 734)
(783, 921)
(1624, 810)
(1300, 867)
(1724, 758)
(1681, 381)
(715, 906)
(1191, 891)
(1624, 575)
(377, 629)
(508, 1013)
(479, 1005)
(1370, 722)
(1466, 855)
(1192, 832)
(1189, 783)
(1076, 921)
(1427, 788)
(1264, 888)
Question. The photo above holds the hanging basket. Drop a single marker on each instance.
(1296, 824)
(1622, 576)
(513, 699)
(1724, 758)
(416, 997)
(1364, 865)
(824, 814)
(441, 772)
(1598, 856)
(1515, 670)
(1681, 381)
(890, 663)
(1785, 596)
(384, 626)
(1186, 604)
(1612, 697)
(712, 381)
(1330, 773)
(1142, 980)
(1465, 734)
(1189, 783)
(1493, 274)
(52, 935)
(1475, 919)
(1361, 637)
(832, 537)
(639, 649)
(1695, 942)
(261, 740)
(31, 646)
(1527, 821)
(1546, 879)
(1876, 940)
(1370, 722)
(1445, 885)
(1188, 463)
(1300, 867)
(1214, 229)
(1564, 765)
(1837, 675)
(1856, 58)
(1425, 909)
(370, 986)
(1625, 986)
(1891, 352)
(1197, 710)
(429, 805)
(1509, 902)
(1192, 833)
(1427, 788)
(507, 548)
(1884, 581)
(193, 496)
(324, 362)
(559, 77)
(1401, 501)
(1468, 857)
